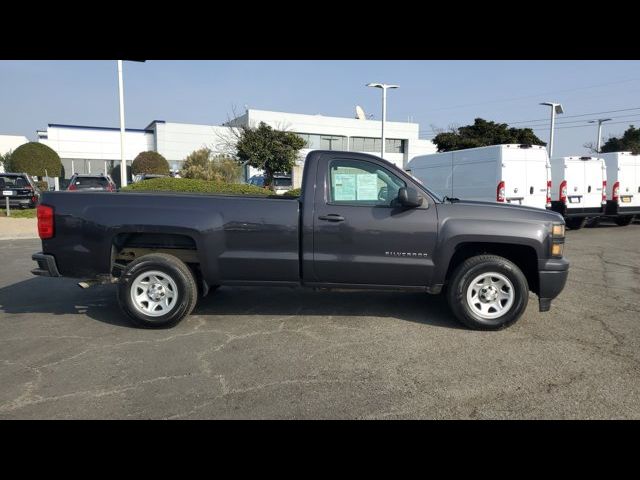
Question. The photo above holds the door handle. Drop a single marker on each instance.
(332, 217)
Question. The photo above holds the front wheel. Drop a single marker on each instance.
(488, 292)
(624, 220)
(157, 291)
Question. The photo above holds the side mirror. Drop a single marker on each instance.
(408, 197)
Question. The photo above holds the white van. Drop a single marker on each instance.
(518, 174)
(580, 188)
(623, 186)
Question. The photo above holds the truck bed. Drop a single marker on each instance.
(253, 239)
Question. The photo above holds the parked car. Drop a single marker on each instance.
(623, 186)
(91, 182)
(20, 189)
(281, 183)
(361, 222)
(516, 174)
(149, 176)
(580, 191)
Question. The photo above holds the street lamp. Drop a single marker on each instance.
(123, 163)
(383, 87)
(555, 108)
(600, 122)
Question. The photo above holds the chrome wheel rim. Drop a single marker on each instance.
(490, 295)
(154, 293)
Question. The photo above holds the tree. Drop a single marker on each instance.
(5, 161)
(150, 162)
(630, 141)
(203, 165)
(268, 149)
(36, 159)
(483, 133)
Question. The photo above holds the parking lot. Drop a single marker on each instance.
(283, 353)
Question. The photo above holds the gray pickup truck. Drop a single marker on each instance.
(360, 223)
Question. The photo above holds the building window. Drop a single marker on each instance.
(369, 144)
(394, 145)
(332, 142)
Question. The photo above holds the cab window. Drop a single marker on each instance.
(357, 182)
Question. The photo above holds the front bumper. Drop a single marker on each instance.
(46, 265)
(552, 275)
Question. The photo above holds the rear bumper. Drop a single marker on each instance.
(614, 208)
(46, 265)
(17, 201)
(552, 279)
(568, 212)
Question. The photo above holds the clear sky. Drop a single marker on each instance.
(433, 93)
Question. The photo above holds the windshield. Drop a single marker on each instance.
(13, 181)
(91, 182)
(281, 182)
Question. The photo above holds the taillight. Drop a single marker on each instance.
(563, 191)
(72, 187)
(616, 190)
(604, 192)
(34, 199)
(500, 191)
(45, 221)
(548, 193)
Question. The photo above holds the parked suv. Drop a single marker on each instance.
(20, 189)
(281, 183)
(91, 182)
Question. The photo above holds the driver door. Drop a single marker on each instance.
(361, 235)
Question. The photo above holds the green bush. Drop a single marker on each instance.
(43, 186)
(150, 162)
(296, 192)
(192, 185)
(36, 159)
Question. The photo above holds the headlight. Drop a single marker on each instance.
(557, 231)
(557, 240)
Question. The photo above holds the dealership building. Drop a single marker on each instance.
(91, 149)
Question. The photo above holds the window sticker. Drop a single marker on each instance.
(344, 187)
(367, 186)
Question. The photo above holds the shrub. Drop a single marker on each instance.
(296, 192)
(43, 186)
(192, 185)
(36, 159)
(150, 162)
(202, 165)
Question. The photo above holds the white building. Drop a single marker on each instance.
(92, 149)
(9, 143)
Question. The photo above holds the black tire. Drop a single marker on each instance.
(592, 222)
(461, 280)
(576, 223)
(624, 220)
(178, 271)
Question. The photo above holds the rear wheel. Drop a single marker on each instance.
(592, 222)
(157, 291)
(488, 292)
(576, 223)
(624, 220)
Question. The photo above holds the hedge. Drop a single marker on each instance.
(296, 192)
(170, 184)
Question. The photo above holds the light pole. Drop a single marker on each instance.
(123, 163)
(555, 108)
(600, 122)
(383, 87)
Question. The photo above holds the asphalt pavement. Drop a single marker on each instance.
(294, 353)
